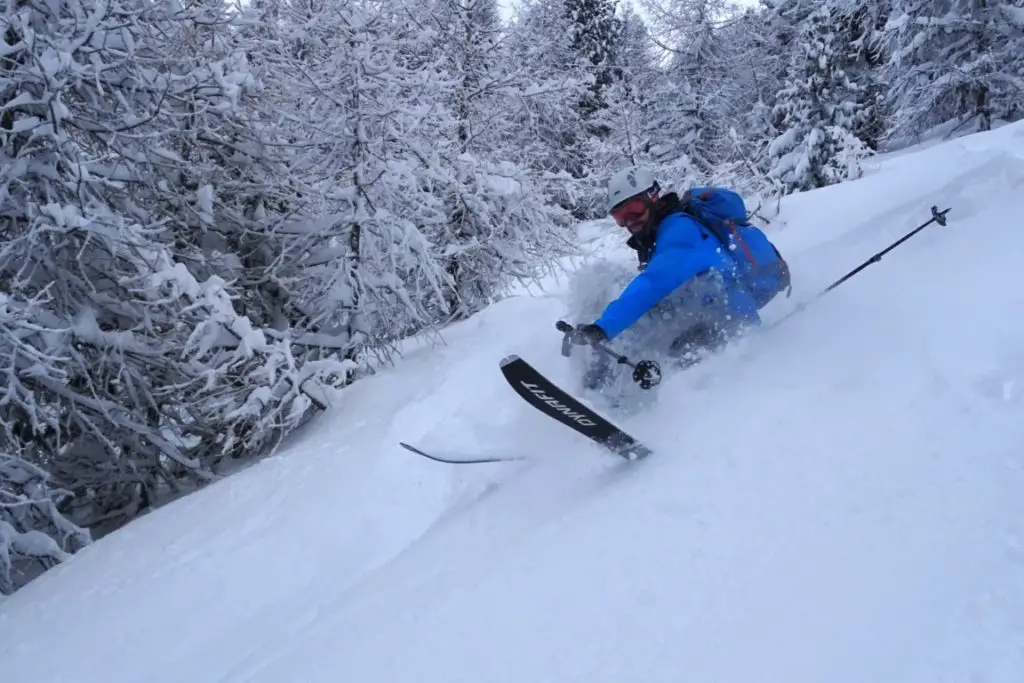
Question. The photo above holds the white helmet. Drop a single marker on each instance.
(627, 183)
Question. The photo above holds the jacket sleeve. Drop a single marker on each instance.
(678, 257)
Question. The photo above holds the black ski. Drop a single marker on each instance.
(459, 461)
(548, 398)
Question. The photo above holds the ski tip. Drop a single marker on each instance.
(509, 359)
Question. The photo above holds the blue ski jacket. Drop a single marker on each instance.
(683, 249)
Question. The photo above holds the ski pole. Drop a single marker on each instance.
(937, 217)
(646, 373)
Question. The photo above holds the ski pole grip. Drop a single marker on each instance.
(565, 327)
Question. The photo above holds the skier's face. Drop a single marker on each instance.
(633, 213)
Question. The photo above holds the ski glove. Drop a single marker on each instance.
(588, 334)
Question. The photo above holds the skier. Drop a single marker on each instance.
(690, 291)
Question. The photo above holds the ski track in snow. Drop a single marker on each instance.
(834, 499)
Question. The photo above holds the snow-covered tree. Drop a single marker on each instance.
(746, 123)
(817, 112)
(860, 28)
(136, 390)
(498, 225)
(353, 94)
(629, 137)
(35, 533)
(593, 34)
(550, 127)
(953, 61)
(692, 112)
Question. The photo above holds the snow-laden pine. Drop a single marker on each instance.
(818, 111)
(956, 62)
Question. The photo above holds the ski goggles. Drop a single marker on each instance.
(630, 211)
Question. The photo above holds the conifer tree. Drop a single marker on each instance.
(956, 61)
(817, 112)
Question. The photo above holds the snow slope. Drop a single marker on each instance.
(836, 499)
